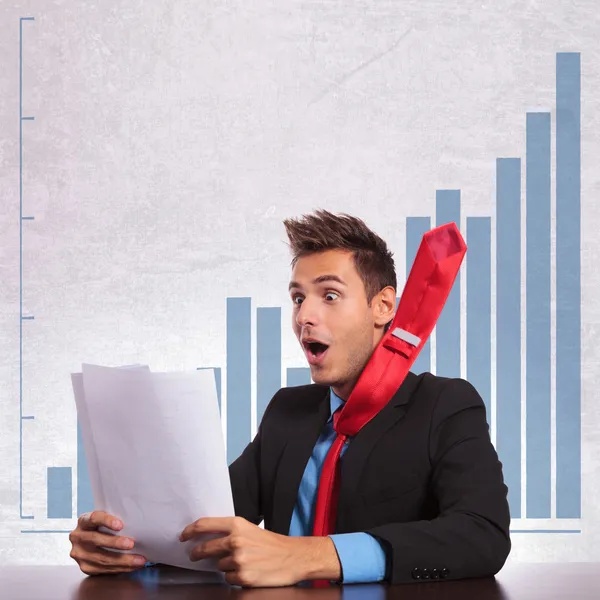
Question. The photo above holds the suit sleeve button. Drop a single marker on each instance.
(435, 574)
(444, 574)
(416, 573)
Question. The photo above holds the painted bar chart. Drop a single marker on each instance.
(479, 271)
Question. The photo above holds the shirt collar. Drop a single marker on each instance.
(334, 402)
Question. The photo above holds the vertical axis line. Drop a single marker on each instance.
(21, 267)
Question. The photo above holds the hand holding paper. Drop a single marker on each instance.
(155, 453)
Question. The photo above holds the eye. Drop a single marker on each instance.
(296, 297)
(332, 294)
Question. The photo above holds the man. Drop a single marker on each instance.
(422, 494)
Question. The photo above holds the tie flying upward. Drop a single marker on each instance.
(427, 288)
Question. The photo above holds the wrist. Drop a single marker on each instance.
(317, 558)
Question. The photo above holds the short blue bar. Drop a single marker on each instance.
(59, 493)
(268, 357)
(238, 376)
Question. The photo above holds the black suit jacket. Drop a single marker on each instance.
(422, 477)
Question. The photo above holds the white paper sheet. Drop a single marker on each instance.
(156, 455)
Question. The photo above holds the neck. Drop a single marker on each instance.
(344, 390)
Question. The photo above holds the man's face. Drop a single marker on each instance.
(332, 319)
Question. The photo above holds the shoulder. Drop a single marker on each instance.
(446, 394)
(297, 400)
(434, 385)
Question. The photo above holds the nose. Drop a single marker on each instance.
(306, 314)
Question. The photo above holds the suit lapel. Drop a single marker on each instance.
(356, 455)
(309, 422)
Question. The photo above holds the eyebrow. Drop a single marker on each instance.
(320, 279)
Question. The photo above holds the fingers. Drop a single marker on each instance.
(212, 548)
(92, 548)
(99, 518)
(99, 539)
(228, 563)
(210, 525)
(98, 561)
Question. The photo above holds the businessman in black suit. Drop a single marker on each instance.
(421, 483)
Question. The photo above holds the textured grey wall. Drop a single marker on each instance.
(172, 137)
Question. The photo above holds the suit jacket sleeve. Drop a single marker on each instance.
(245, 476)
(470, 536)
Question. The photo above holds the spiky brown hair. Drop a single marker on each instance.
(323, 230)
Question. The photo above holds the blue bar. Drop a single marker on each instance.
(538, 177)
(217, 372)
(448, 326)
(60, 493)
(508, 326)
(268, 357)
(238, 376)
(479, 308)
(416, 228)
(568, 285)
(298, 376)
(85, 499)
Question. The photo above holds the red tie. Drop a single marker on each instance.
(427, 288)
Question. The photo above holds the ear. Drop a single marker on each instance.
(384, 306)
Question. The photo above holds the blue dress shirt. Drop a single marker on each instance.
(361, 556)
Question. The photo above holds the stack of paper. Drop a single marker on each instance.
(155, 453)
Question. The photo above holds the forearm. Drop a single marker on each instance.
(459, 545)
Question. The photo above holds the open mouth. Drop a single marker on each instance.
(316, 348)
(315, 351)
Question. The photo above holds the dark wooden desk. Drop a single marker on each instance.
(515, 581)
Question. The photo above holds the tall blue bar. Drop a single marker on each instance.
(85, 499)
(217, 372)
(537, 184)
(448, 326)
(298, 376)
(268, 357)
(479, 308)
(568, 285)
(416, 228)
(59, 500)
(508, 325)
(238, 376)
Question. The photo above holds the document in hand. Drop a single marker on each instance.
(155, 454)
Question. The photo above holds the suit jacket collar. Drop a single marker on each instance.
(307, 428)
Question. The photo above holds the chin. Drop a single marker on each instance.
(321, 377)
